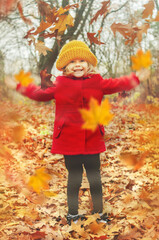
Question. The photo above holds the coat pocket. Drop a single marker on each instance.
(58, 128)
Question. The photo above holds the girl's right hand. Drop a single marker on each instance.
(10, 82)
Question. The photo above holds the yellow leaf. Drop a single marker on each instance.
(141, 60)
(50, 193)
(96, 115)
(39, 181)
(24, 78)
(64, 21)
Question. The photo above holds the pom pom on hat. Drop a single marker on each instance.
(75, 50)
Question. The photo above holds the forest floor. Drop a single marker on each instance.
(129, 169)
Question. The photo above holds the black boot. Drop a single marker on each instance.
(71, 217)
(103, 218)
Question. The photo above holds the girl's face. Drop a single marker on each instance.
(78, 68)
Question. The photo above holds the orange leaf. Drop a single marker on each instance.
(93, 39)
(18, 133)
(96, 228)
(103, 11)
(141, 60)
(148, 11)
(64, 21)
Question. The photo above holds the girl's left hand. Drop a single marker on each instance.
(143, 74)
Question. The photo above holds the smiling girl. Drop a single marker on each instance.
(72, 91)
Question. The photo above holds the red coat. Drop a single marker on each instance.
(71, 95)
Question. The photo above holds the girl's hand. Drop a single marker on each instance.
(143, 74)
(10, 83)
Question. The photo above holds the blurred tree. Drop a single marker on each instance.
(1, 67)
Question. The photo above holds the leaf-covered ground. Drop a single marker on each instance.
(129, 168)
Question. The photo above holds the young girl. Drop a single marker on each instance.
(72, 91)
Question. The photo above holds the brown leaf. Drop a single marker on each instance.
(26, 20)
(93, 39)
(44, 8)
(142, 29)
(102, 11)
(148, 11)
(123, 29)
(41, 48)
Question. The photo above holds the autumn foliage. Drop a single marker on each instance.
(33, 202)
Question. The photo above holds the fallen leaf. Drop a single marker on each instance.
(18, 133)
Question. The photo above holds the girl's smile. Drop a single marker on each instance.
(78, 68)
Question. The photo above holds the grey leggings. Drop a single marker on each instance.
(74, 165)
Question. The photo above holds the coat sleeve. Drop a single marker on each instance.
(114, 85)
(36, 93)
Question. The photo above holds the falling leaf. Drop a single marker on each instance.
(102, 11)
(7, 6)
(141, 60)
(96, 115)
(93, 39)
(26, 20)
(42, 27)
(64, 21)
(148, 11)
(124, 29)
(18, 133)
(142, 29)
(24, 78)
(39, 180)
(41, 48)
(44, 8)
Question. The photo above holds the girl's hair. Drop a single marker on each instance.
(91, 70)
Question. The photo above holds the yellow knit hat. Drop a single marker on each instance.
(75, 50)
